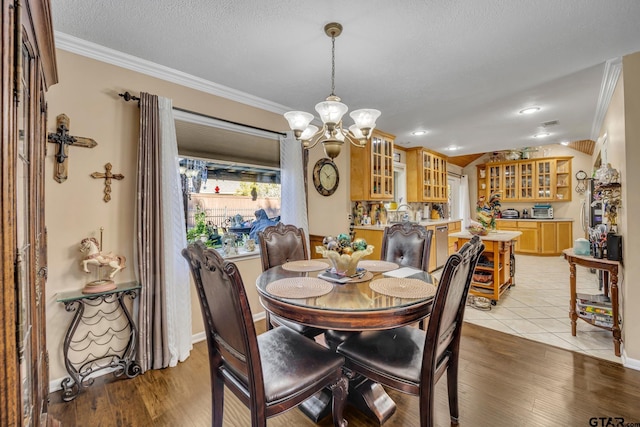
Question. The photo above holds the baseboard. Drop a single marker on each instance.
(56, 385)
(628, 362)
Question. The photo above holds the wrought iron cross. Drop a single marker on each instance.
(108, 176)
(64, 140)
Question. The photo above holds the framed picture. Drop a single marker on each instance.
(396, 157)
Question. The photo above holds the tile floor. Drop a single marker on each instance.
(537, 308)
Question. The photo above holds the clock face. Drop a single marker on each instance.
(325, 177)
(581, 175)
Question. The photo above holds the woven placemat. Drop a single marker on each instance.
(366, 276)
(305, 265)
(377, 266)
(403, 287)
(299, 287)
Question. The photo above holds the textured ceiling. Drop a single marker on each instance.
(459, 69)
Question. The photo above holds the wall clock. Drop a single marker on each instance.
(325, 177)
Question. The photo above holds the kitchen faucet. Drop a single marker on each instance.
(407, 216)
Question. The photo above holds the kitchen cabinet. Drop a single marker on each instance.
(373, 237)
(539, 180)
(544, 237)
(454, 227)
(372, 168)
(426, 176)
(28, 70)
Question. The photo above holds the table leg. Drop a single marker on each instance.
(367, 396)
(572, 303)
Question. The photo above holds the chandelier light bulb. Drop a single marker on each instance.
(331, 111)
(308, 133)
(298, 120)
(365, 118)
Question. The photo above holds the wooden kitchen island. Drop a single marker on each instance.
(495, 271)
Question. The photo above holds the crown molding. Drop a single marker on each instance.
(110, 56)
(611, 74)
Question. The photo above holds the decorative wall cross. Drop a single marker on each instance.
(64, 140)
(108, 176)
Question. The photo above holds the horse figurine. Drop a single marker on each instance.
(95, 257)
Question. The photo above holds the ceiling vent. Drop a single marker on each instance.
(550, 123)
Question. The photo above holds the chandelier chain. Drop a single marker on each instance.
(333, 65)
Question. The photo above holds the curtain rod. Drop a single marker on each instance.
(128, 97)
(457, 175)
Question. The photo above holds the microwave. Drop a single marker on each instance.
(542, 212)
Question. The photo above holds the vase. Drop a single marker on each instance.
(344, 265)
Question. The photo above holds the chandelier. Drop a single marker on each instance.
(332, 135)
(194, 173)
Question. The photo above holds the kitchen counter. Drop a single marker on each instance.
(535, 219)
(496, 269)
(496, 236)
(426, 223)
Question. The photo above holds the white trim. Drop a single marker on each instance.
(100, 53)
(628, 362)
(612, 70)
(200, 336)
(198, 119)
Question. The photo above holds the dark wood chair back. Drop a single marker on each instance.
(445, 323)
(268, 385)
(407, 244)
(411, 360)
(282, 243)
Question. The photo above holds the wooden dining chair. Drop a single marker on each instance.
(408, 245)
(280, 244)
(270, 373)
(411, 360)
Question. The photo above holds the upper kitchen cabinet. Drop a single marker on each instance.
(531, 180)
(372, 168)
(500, 178)
(426, 176)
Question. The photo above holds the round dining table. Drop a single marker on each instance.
(353, 306)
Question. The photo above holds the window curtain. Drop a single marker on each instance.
(164, 314)
(465, 197)
(293, 206)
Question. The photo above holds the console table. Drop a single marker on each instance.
(599, 303)
(101, 337)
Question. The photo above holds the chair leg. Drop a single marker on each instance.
(339, 391)
(426, 405)
(452, 386)
(217, 401)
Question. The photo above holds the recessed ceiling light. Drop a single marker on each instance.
(419, 132)
(529, 110)
(564, 143)
(452, 148)
(541, 135)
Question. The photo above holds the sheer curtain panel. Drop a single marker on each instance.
(293, 204)
(465, 212)
(164, 316)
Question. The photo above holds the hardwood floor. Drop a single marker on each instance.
(505, 380)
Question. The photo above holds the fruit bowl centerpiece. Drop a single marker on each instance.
(343, 253)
